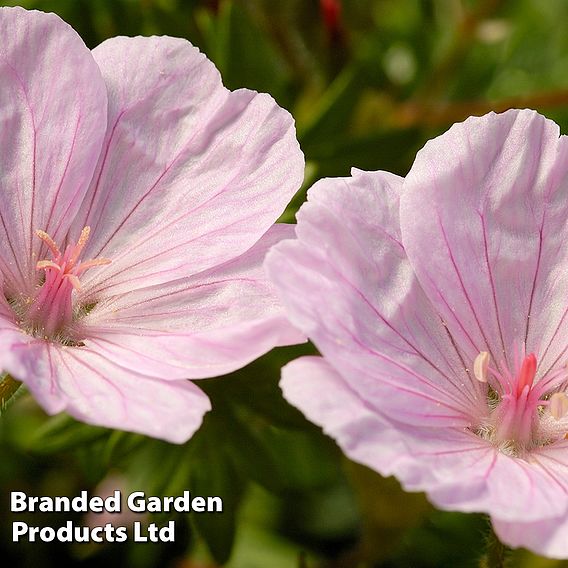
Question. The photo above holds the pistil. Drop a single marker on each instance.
(520, 401)
(51, 310)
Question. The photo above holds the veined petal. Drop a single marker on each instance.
(316, 388)
(458, 470)
(191, 174)
(507, 172)
(52, 123)
(95, 390)
(483, 218)
(546, 537)
(498, 476)
(204, 326)
(347, 284)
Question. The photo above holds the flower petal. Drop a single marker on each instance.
(53, 119)
(346, 282)
(191, 174)
(204, 326)
(316, 388)
(483, 219)
(498, 477)
(548, 537)
(97, 391)
(458, 470)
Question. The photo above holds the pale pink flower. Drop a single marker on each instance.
(136, 205)
(440, 306)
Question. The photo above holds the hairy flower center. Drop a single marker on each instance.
(51, 311)
(524, 412)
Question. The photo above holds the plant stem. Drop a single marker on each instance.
(496, 553)
(412, 114)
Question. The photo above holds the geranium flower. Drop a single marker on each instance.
(440, 306)
(136, 205)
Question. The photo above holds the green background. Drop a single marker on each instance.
(368, 86)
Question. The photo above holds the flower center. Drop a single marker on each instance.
(51, 311)
(525, 412)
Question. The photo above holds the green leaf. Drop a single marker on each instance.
(10, 390)
(392, 150)
(242, 51)
(256, 387)
(331, 113)
(215, 475)
(62, 433)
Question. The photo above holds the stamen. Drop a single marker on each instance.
(42, 264)
(78, 249)
(480, 366)
(75, 282)
(51, 312)
(90, 263)
(523, 409)
(49, 242)
(558, 405)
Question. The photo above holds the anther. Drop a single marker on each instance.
(480, 366)
(43, 264)
(78, 249)
(558, 405)
(49, 242)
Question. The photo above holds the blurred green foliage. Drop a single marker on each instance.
(368, 84)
